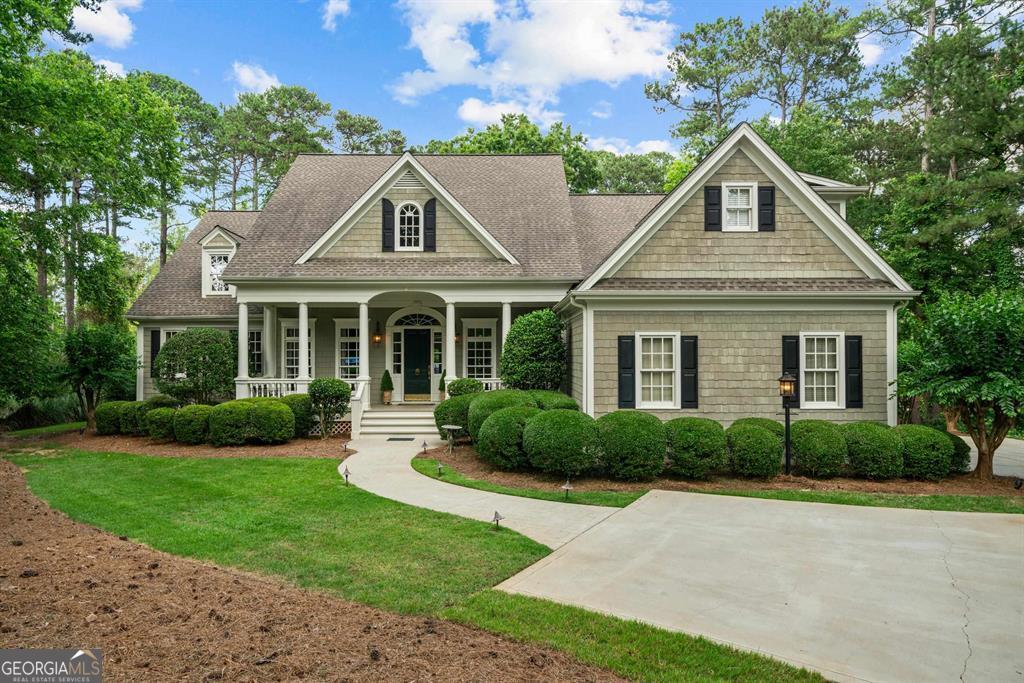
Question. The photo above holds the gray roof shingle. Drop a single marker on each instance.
(604, 220)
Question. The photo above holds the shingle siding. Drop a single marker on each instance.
(575, 325)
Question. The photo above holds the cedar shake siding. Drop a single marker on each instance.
(575, 327)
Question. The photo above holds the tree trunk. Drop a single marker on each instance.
(70, 252)
(89, 408)
(114, 218)
(42, 286)
(255, 184)
(952, 416)
(163, 224)
(925, 158)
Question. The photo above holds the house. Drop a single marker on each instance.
(688, 303)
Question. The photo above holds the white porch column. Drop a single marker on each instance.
(140, 354)
(241, 388)
(364, 342)
(269, 341)
(449, 343)
(303, 341)
(506, 320)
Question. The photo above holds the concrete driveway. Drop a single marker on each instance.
(856, 593)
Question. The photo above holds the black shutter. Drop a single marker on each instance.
(791, 363)
(627, 371)
(430, 225)
(766, 209)
(387, 225)
(854, 372)
(154, 348)
(688, 366)
(712, 208)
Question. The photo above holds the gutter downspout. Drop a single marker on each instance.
(571, 301)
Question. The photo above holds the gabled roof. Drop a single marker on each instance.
(220, 230)
(604, 220)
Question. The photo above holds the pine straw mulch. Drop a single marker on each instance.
(161, 617)
(465, 461)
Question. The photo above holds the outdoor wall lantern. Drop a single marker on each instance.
(787, 390)
(377, 336)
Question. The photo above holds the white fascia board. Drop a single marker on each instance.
(223, 232)
(620, 295)
(812, 179)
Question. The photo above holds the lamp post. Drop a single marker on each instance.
(787, 389)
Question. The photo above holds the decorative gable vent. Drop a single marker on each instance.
(408, 181)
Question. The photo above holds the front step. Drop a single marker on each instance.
(398, 422)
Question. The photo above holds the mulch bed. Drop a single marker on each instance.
(161, 617)
(466, 461)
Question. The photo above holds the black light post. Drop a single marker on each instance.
(787, 389)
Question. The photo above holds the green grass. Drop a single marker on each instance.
(295, 519)
(617, 499)
(48, 430)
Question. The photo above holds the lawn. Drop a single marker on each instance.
(296, 519)
(48, 430)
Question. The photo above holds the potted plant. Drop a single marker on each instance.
(440, 387)
(386, 387)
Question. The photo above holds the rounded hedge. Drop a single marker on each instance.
(754, 451)
(162, 401)
(696, 446)
(108, 417)
(873, 450)
(133, 415)
(160, 423)
(776, 428)
(463, 386)
(482, 405)
(302, 408)
(534, 353)
(192, 424)
(632, 445)
(229, 423)
(553, 400)
(961, 460)
(261, 420)
(453, 411)
(501, 438)
(927, 452)
(819, 448)
(562, 442)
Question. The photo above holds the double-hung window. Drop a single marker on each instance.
(256, 352)
(739, 206)
(821, 370)
(479, 347)
(346, 334)
(290, 348)
(215, 261)
(410, 228)
(658, 376)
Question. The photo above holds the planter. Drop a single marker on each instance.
(386, 397)
(440, 395)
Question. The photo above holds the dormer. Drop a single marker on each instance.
(218, 247)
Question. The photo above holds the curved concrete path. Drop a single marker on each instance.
(382, 467)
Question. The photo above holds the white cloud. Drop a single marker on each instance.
(110, 24)
(476, 112)
(622, 146)
(529, 50)
(253, 77)
(870, 51)
(331, 11)
(112, 68)
(602, 110)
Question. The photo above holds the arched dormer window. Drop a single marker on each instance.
(410, 228)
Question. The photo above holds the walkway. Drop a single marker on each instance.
(382, 467)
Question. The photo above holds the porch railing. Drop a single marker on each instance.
(491, 383)
(261, 387)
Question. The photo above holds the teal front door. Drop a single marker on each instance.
(417, 364)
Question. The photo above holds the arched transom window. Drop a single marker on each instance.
(410, 228)
(416, 320)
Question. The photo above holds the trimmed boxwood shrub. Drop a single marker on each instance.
(482, 405)
(160, 423)
(927, 452)
(873, 450)
(632, 445)
(270, 421)
(501, 437)
(961, 460)
(696, 446)
(108, 417)
(162, 401)
(329, 397)
(229, 423)
(562, 442)
(819, 448)
(133, 416)
(534, 354)
(776, 428)
(192, 424)
(453, 411)
(463, 386)
(553, 400)
(302, 408)
(754, 451)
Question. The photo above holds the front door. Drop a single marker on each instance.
(417, 365)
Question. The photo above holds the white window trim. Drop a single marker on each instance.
(263, 351)
(492, 325)
(165, 330)
(285, 323)
(347, 323)
(725, 207)
(398, 226)
(208, 252)
(674, 404)
(840, 402)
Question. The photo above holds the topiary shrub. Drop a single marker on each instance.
(873, 450)
(696, 446)
(229, 423)
(329, 397)
(192, 424)
(562, 442)
(534, 354)
(162, 401)
(197, 365)
(927, 452)
(819, 448)
(453, 411)
(463, 386)
(553, 400)
(776, 428)
(133, 416)
(754, 451)
(501, 438)
(482, 405)
(108, 417)
(632, 445)
(302, 408)
(160, 423)
(270, 421)
(961, 460)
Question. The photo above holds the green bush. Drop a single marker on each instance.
(488, 402)
(108, 417)
(133, 416)
(160, 423)
(466, 385)
(553, 400)
(229, 423)
(632, 445)
(534, 354)
(162, 401)
(754, 451)
(271, 421)
(873, 450)
(302, 408)
(501, 438)
(197, 365)
(696, 446)
(776, 428)
(453, 411)
(330, 397)
(192, 424)
(927, 452)
(819, 448)
(961, 460)
(562, 442)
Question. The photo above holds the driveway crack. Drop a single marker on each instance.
(961, 591)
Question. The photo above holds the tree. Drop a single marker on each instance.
(534, 355)
(362, 134)
(970, 359)
(631, 173)
(813, 142)
(98, 359)
(677, 170)
(330, 397)
(197, 366)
